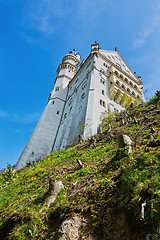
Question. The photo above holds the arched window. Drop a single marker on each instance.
(126, 80)
(123, 86)
(121, 76)
(128, 90)
(118, 82)
(116, 73)
(131, 83)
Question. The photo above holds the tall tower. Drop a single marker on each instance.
(42, 139)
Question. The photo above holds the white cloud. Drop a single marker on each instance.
(14, 117)
(42, 16)
(51, 17)
(152, 26)
(3, 114)
(27, 118)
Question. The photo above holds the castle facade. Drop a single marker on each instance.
(103, 84)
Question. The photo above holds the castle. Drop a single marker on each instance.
(103, 83)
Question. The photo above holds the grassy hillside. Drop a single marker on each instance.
(108, 190)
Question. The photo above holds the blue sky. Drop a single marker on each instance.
(36, 34)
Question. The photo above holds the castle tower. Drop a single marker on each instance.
(42, 139)
(104, 84)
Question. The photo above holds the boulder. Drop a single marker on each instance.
(54, 188)
(123, 141)
(74, 228)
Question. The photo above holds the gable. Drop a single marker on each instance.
(118, 61)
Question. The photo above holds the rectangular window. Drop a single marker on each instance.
(102, 81)
(102, 103)
(103, 92)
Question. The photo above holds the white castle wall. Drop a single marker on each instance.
(43, 137)
(96, 111)
(41, 140)
(74, 114)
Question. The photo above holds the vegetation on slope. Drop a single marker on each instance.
(111, 183)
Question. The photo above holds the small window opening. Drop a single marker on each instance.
(83, 96)
(103, 92)
(57, 89)
(57, 112)
(84, 85)
(102, 80)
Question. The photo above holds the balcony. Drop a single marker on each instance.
(118, 81)
(121, 96)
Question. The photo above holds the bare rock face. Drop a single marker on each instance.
(74, 228)
(57, 186)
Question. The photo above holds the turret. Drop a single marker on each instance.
(66, 71)
(69, 64)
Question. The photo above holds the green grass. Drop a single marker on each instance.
(110, 177)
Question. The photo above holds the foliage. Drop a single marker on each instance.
(110, 181)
